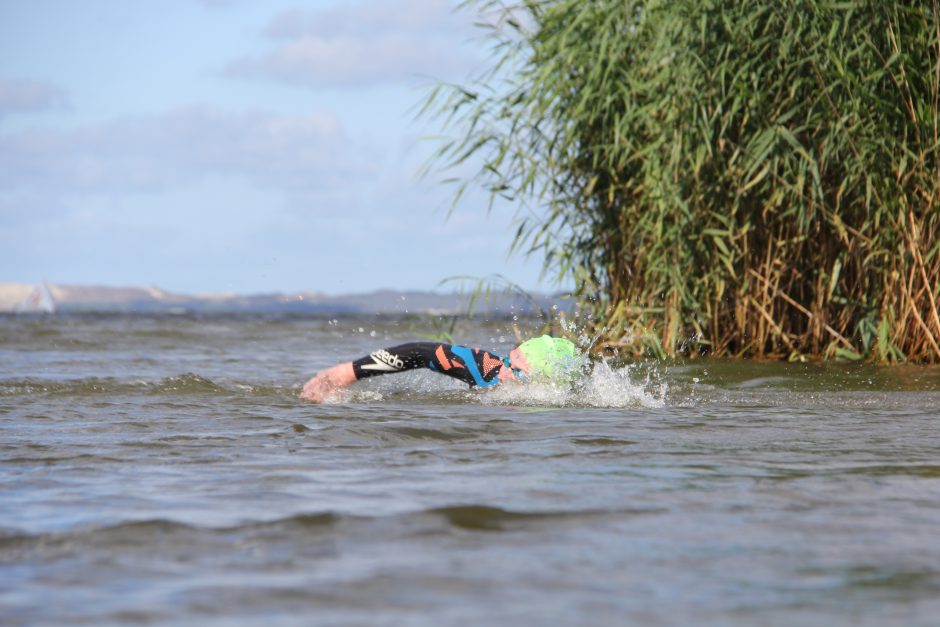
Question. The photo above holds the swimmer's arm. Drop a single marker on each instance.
(389, 360)
(327, 382)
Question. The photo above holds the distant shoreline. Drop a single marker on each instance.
(96, 298)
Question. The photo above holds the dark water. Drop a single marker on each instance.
(162, 470)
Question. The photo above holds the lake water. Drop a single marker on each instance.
(161, 470)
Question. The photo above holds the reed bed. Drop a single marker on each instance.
(747, 178)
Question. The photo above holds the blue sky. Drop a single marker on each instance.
(236, 146)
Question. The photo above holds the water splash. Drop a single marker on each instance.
(598, 385)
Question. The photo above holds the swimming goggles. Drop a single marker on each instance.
(517, 372)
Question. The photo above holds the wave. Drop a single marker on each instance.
(182, 538)
(602, 386)
(641, 385)
(182, 384)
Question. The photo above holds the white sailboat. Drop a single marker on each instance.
(39, 300)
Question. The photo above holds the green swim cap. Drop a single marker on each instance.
(549, 356)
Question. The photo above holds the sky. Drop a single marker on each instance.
(237, 146)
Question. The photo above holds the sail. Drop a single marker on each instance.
(39, 300)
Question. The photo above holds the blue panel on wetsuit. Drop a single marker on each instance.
(471, 364)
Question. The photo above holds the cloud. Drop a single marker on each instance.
(26, 96)
(149, 153)
(362, 44)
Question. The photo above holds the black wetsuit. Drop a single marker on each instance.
(470, 365)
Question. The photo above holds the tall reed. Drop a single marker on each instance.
(734, 177)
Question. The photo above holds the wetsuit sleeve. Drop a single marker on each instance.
(471, 365)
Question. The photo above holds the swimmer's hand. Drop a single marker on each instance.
(317, 389)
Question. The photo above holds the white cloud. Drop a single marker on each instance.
(364, 43)
(156, 152)
(26, 96)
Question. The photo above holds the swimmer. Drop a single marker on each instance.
(544, 356)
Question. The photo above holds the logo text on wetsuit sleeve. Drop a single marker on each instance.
(384, 360)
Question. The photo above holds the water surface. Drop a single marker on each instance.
(160, 469)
